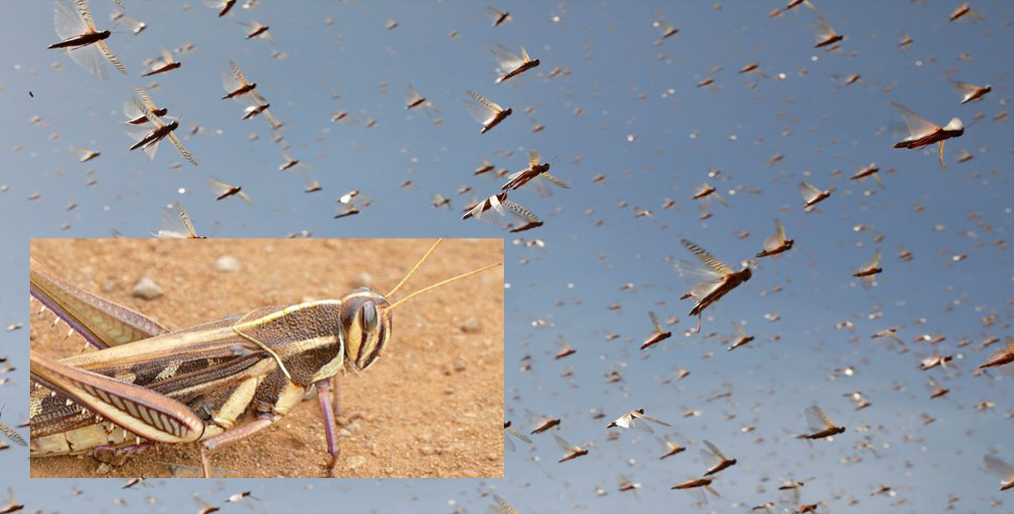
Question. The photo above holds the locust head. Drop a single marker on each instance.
(365, 316)
(365, 320)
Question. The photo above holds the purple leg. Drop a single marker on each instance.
(330, 428)
(337, 393)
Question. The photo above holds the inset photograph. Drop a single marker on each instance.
(267, 358)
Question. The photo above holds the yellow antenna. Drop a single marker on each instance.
(410, 273)
(442, 283)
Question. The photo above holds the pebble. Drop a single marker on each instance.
(459, 364)
(343, 433)
(427, 450)
(353, 427)
(364, 279)
(471, 326)
(227, 263)
(147, 289)
(356, 461)
(109, 287)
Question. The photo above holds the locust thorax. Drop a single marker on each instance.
(365, 323)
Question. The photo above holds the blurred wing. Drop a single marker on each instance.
(917, 125)
(183, 151)
(505, 508)
(507, 443)
(625, 421)
(876, 259)
(739, 329)
(1010, 344)
(144, 98)
(964, 87)
(554, 180)
(111, 56)
(654, 319)
(999, 468)
(480, 112)
(815, 419)
(90, 58)
(230, 83)
(238, 73)
(809, 192)
(533, 158)
(567, 447)
(714, 450)
(506, 59)
(155, 120)
(702, 280)
(167, 56)
(67, 21)
(779, 229)
(86, 15)
(518, 434)
(176, 223)
(697, 493)
(707, 258)
(773, 241)
(520, 212)
(824, 31)
(640, 426)
(482, 100)
(653, 420)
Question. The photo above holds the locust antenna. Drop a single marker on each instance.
(410, 273)
(442, 283)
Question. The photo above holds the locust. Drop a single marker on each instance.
(214, 383)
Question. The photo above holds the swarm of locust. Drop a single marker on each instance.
(216, 383)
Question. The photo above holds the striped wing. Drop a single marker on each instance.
(708, 259)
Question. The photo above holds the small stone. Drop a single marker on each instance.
(147, 289)
(469, 473)
(109, 287)
(343, 433)
(356, 461)
(103, 469)
(353, 427)
(459, 364)
(364, 279)
(427, 450)
(227, 263)
(471, 326)
(449, 389)
(427, 437)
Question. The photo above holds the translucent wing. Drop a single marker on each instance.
(876, 259)
(739, 329)
(701, 279)
(567, 447)
(139, 133)
(413, 95)
(548, 176)
(480, 112)
(664, 26)
(999, 468)
(779, 229)
(651, 419)
(697, 493)
(815, 419)
(524, 55)
(917, 125)
(705, 257)
(715, 452)
(482, 100)
(67, 21)
(176, 223)
(506, 59)
(1010, 344)
(533, 158)
(808, 191)
(90, 58)
(964, 87)
(111, 56)
(186, 155)
(514, 432)
(654, 319)
(507, 443)
(824, 30)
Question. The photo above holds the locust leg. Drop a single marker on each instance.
(940, 155)
(337, 394)
(209, 446)
(324, 394)
(102, 322)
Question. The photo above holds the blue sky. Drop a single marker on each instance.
(651, 147)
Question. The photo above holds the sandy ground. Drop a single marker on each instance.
(432, 406)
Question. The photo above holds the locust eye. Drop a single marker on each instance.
(368, 317)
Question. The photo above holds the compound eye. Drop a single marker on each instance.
(368, 317)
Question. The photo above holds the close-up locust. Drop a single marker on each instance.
(138, 388)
